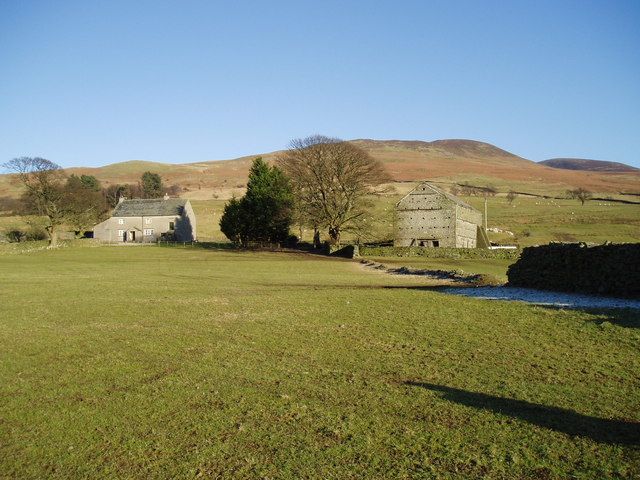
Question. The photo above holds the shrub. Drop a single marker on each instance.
(35, 233)
(16, 235)
(291, 241)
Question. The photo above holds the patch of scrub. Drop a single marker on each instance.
(541, 297)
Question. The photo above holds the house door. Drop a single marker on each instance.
(132, 236)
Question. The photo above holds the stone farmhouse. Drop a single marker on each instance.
(148, 220)
(430, 217)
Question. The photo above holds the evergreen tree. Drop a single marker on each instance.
(151, 185)
(90, 182)
(264, 214)
(231, 222)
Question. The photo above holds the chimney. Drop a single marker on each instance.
(166, 196)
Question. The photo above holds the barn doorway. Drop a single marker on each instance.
(132, 236)
(427, 243)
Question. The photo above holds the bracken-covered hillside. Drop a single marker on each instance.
(407, 161)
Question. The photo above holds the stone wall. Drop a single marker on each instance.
(505, 254)
(610, 269)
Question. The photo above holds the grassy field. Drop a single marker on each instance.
(536, 221)
(150, 362)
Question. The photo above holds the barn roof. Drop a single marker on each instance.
(151, 207)
(426, 188)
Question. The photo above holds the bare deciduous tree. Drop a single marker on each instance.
(84, 203)
(44, 194)
(489, 191)
(331, 179)
(468, 190)
(580, 194)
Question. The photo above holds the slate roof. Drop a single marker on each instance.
(420, 190)
(152, 207)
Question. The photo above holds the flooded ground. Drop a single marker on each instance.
(540, 297)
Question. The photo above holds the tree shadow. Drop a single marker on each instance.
(421, 288)
(623, 317)
(184, 231)
(558, 419)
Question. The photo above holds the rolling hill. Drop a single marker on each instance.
(588, 165)
(406, 161)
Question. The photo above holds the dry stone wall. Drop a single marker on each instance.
(610, 269)
(373, 251)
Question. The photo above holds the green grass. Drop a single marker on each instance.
(208, 213)
(11, 222)
(147, 362)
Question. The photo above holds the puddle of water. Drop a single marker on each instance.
(540, 297)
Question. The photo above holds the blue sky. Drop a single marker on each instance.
(96, 82)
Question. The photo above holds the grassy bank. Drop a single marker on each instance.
(487, 266)
(146, 362)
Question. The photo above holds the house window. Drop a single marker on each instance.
(147, 221)
(121, 234)
(436, 243)
(172, 226)
(148, 231)
(121, 221)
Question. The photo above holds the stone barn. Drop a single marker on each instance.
(148, 220)
(430, 217)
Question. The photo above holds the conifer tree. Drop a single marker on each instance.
(265, 212)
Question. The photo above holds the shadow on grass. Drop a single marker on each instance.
(623, 317)
(230, 247)
(557, 419)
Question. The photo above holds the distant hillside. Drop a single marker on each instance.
(482, 163)
(444, 161)
(588, 165)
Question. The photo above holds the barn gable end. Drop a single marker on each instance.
(431, 217)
